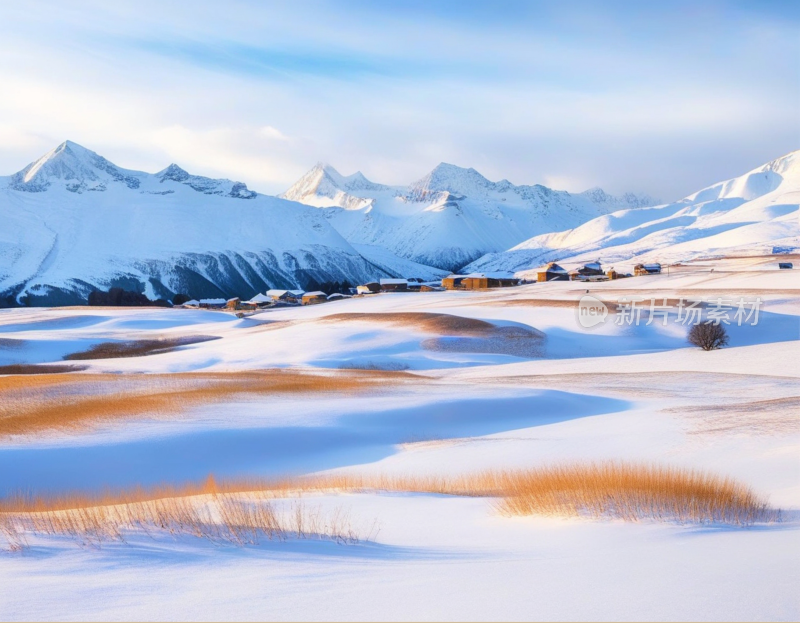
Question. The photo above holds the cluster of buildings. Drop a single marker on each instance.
(593, 271)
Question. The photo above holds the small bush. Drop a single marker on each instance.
(708, 336)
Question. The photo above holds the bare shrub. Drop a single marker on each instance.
(708, 336)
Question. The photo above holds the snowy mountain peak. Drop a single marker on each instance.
(324, 186)
(173, 172)
(447, 177)
(76, 167)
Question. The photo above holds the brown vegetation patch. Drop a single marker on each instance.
(138, 348)
(32, 404)
(458, 334)
(442, 324)
(221, 518)
(32, 368)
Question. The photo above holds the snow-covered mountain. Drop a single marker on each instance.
(757, 212)
(451, 216)
(72, 222)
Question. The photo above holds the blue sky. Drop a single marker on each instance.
(661, 98)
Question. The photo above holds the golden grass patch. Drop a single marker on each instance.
(32, 404)
(443, 324)
(239, 511)
(138, 348)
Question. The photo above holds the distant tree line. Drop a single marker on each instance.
(117, 297)
(330, 287)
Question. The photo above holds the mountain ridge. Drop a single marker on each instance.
(755, 212)
(447, 218)
(74, 222)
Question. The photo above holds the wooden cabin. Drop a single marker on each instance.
(647, 269)
(552, 272)
(286, 296)
(475, 282)
(453, 282)
(313, 298)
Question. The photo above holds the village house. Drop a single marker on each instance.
(552, 272)
(313, 298)
(285, 296)
(394, 285)
(260, 300)
(592, 271)
(453, 282)
(647, 269)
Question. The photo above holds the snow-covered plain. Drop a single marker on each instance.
(618, 392)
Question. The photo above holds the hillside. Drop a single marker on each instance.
(449, 217)
(74, 222)
(754, 213)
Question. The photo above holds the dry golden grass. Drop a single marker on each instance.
(442, 324)
(138, 348)
(32, 404)
(239, 512)
(633, 492)
(218, 517)
(458, 334)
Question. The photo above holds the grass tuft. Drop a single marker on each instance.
(241, 512)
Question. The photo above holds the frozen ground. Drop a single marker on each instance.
(610, 392)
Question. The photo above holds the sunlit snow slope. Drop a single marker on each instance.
(755, 213)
